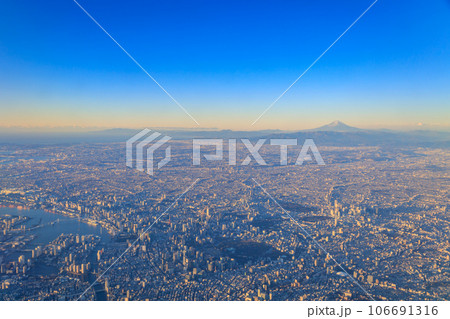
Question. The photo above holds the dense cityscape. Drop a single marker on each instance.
(371, 224)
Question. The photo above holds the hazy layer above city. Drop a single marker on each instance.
(332, 134)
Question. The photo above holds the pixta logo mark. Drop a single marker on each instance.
(141, 148)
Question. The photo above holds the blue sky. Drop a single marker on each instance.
(225, 61)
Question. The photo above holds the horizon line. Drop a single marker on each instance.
(96, 129)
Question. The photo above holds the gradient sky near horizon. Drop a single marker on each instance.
(225, 62)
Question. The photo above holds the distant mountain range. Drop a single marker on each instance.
(341, 134)
(336, 126)
(189, 134)
(333, 134)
